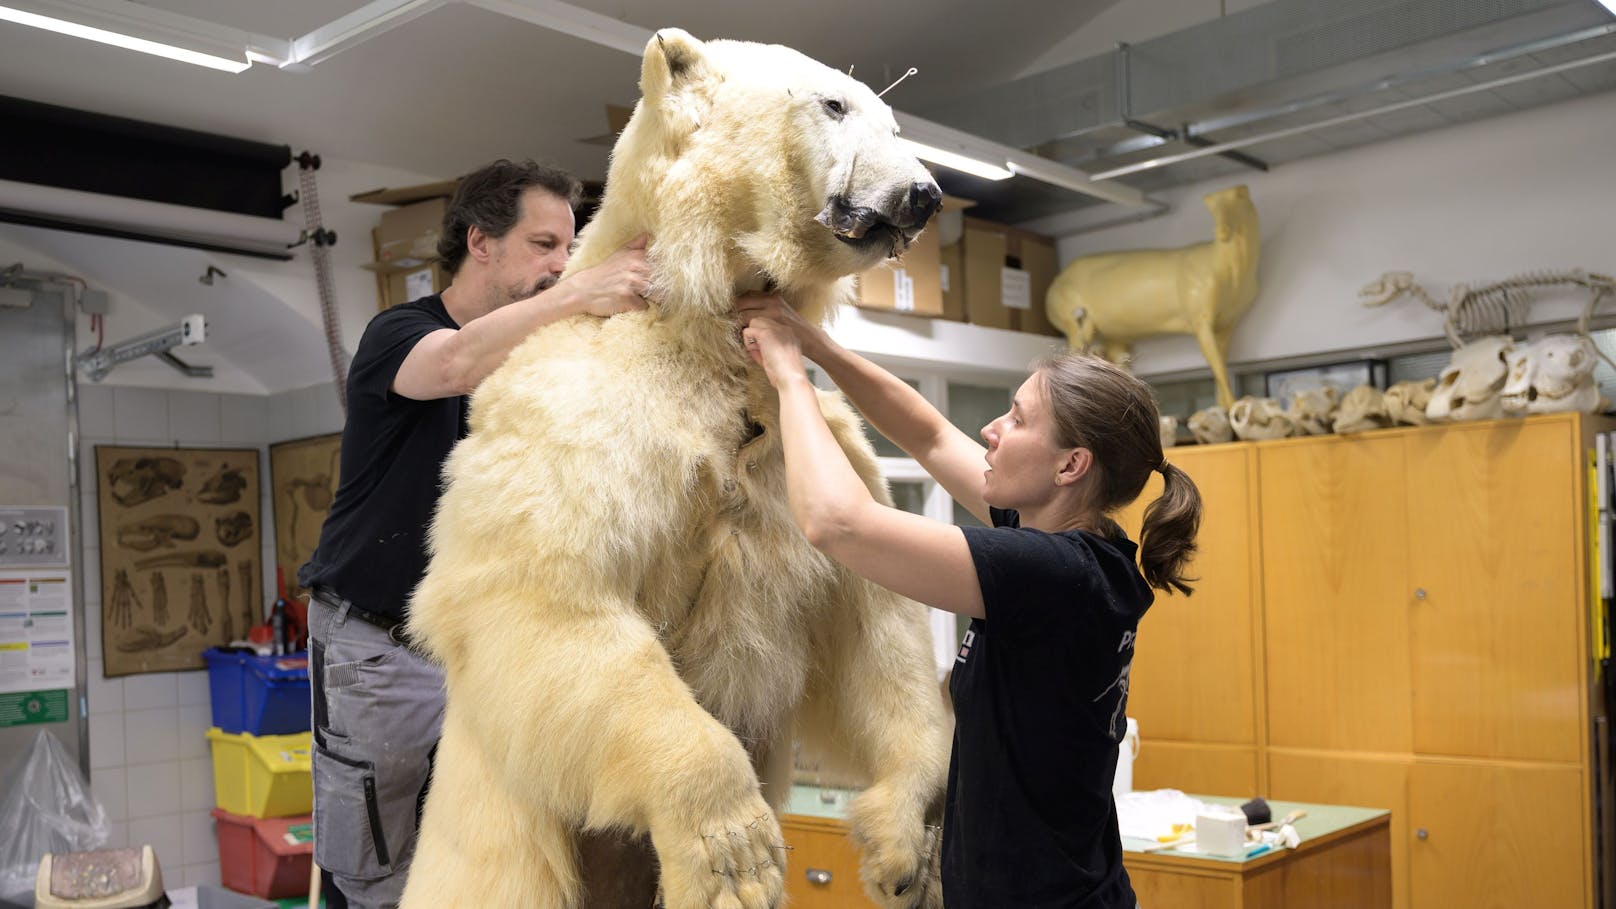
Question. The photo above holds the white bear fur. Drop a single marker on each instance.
(634, 630)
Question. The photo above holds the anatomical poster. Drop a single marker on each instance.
(181, 554)
(302, 481)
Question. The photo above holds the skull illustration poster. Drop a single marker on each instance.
(181, 553)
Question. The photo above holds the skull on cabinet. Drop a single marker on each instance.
(1468, 388)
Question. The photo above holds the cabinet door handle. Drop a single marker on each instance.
(1419, 593)
(818, 876)
(1421, 834)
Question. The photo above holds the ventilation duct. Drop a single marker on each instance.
(1278, 65)
(73, 170)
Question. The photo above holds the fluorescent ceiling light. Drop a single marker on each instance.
(128, 42)
(956, 161)
(1609, 4)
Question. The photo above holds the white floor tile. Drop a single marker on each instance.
(107, 740)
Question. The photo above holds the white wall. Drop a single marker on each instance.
(265, 332)
(1467, 204)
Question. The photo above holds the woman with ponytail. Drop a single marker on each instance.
(1054, 588)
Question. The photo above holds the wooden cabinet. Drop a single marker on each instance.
(1194, 685)
(822, 870)
(1495, 836)
(1418, 611)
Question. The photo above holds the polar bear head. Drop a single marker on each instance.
(754, 166)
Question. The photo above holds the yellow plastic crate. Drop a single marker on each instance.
(262, 775)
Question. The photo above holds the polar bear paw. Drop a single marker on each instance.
(736, 863)
(900, 855)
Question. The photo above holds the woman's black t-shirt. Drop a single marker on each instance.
(1040, 691)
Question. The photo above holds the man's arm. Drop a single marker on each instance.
(450, 362)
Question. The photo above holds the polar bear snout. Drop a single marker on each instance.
(896, 222)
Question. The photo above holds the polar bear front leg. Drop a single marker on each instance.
(603, 730)
(879, 694)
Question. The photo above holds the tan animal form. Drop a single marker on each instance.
(634, 630)
(1111, 300)
(1552, 374)
(1469, 387)
(1256, 418)
(1406, 401)
(1313, 411)
(1362, 409)
(1211, 426)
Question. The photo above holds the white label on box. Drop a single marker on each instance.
(1015, 288)
(943, 275)
(903, 291)
(418, 284)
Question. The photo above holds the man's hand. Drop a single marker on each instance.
(619, 284)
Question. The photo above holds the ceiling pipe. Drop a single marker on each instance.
(1222, 147)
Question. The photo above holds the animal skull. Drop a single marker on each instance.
(1468, 388)
(1169, 431)
(1553, 374)
(1313, 410)
(1406, 401)
(1260, 418)
(1363, 408)
(1211, 426)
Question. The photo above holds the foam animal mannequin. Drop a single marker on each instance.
(1362, 409)
(1469, 387)
(1211, 426)
(1552, 374)
(1313, 411)
(1406, 401)
(1256, 418)
(634, 631)
(1169, 430)
(1108, 301)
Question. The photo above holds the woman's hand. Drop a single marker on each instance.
(772, 344)
(777, 310)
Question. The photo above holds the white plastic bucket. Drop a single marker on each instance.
(1126, 752)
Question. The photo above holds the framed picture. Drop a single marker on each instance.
(180, 553)
(1344, 377)
(302, 482)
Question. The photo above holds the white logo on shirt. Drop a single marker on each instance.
(1120, 685)
(965, 646)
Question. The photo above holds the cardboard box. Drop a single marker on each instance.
(913, 282)
(983, 248)
(405, 195)
(1038, 259)
(952, 259)
(1007, 275)
(411, 231)
(406, 279)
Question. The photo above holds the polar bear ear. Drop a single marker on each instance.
(674, 62)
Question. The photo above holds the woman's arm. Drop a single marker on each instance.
(919, 558)
(896, 410)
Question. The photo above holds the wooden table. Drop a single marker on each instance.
(1344, 862)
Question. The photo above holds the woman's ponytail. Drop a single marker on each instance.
(1167, 538)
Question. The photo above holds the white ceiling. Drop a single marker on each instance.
(460, 85)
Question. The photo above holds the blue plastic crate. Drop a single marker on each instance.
(258, 695)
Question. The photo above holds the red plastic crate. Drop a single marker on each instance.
(265, 856)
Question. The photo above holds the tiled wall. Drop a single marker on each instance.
(149, 759)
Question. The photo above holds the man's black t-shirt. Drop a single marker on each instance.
(373, 546)
(1040, 692)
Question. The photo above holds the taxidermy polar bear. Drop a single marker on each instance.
(634, 631)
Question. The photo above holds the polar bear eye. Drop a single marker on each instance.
(835, 108)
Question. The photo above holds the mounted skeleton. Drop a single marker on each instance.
(1496, 308)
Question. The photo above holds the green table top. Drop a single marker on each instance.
(1321, 820)
(830, 803)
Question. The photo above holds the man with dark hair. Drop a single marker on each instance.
(378, 705)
